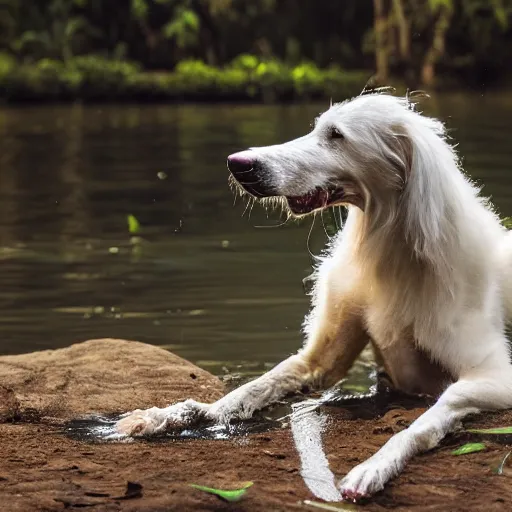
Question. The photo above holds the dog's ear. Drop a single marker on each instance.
(401, 152)
(426, 200)
(406, 151)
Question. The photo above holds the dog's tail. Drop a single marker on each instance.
(505, 262)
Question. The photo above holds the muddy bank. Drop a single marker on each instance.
(103, 376)
(43, 469)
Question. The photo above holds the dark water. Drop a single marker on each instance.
(213, 285)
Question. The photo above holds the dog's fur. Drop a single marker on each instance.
(422, 269)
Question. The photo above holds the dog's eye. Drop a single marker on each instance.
(336, 134)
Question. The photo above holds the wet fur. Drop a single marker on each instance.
(422, 269)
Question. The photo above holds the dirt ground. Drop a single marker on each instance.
(42, 469)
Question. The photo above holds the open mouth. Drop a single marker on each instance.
(315, 200)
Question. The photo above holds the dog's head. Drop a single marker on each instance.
(358, 150)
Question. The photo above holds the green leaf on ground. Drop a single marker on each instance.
(497, 430)
(469, 448)
(133, 224)
(233, 495)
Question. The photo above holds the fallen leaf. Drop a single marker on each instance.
(231, 495)
(133, 224)
(497, 430)
(469, 448)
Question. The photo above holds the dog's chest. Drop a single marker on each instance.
(385, 324)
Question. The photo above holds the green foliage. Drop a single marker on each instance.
(469, 448)
(195, 68)
(183, 28)
(249, 78)
(55, 33)
(307, 78)
(139, 9)
(492, 431)
(94, 67)
(133, 224)
(499, 9)
(435, 5)
(276, 45)
(245, 62)
(7, 63)
(507, 222)
(229, 496)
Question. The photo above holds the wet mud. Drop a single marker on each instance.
(293, 453)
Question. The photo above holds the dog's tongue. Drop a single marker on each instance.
(315, 200)
(308, 202)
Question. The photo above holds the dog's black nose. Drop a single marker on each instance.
(245, 169)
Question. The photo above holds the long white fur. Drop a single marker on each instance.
(425, 257)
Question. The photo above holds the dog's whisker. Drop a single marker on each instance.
(245, 172)
(250, 210)
(246, 206)
(272, 225)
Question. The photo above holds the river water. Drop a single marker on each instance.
(214, 284)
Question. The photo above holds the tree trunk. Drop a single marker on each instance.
(209, 34)
(403, 25)
(437, 48)
(151, 39)
(404, 31)
(381, 51)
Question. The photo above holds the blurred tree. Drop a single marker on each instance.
(8, 21)
(402, 24)
(381, 44)
(441, 11)
(414, 40)
(140, 13)
(56, 33)
(183, 28)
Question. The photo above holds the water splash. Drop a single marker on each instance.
(101, 429)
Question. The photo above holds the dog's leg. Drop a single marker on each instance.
(335, 340)
(489, 388)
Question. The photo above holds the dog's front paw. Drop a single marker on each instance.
(150, 421)
(141, 422)
(365, 480)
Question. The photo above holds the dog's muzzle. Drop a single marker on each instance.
(245, 169)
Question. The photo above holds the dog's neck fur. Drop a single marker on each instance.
(408, 243)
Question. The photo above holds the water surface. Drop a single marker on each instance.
(216, 286)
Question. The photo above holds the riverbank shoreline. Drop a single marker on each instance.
(94, 79)
(45, 467)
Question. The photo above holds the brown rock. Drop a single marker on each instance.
(9, 405)
(98, 376)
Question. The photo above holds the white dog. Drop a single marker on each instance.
(422, 269)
